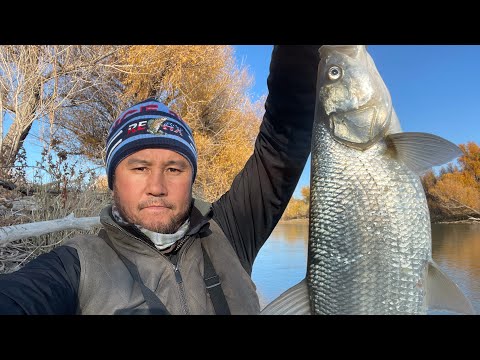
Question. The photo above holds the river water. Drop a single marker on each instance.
(282, 262)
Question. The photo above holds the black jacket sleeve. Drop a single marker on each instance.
(259, 194)
(47, 285)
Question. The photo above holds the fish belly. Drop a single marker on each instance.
(369, 232)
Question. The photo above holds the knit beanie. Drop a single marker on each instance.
(148, 124)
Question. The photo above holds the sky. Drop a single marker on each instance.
(434, 88)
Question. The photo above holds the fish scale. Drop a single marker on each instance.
(370, 231)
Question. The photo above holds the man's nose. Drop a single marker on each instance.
(156, 184)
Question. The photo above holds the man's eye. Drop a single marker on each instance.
(140, 169)
(173, 170)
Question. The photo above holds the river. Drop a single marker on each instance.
(282, 262)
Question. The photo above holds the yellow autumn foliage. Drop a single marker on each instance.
(298, 208)
(455, 193)
(459, 188)
(470, 160)
(305, 191)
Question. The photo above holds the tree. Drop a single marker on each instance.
(470, 160)
(428, 180)
(36, 81)
(458, 193)
(455, 193)
(305, 190)
(298, 208)
(87, 118)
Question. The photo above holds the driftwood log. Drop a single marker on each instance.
(23, 231)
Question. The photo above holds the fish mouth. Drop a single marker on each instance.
(359, 128)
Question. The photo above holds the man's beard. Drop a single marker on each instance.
(164, 228)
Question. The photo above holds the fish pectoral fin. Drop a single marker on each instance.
(421, 151)
(444, 294)
(294, 301)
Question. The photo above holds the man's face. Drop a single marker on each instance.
(153, 188)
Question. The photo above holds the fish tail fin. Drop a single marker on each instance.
(294, 301)
(421, 151)
(444, 294)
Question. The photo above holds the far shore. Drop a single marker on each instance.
(474, 221)
(294, 221)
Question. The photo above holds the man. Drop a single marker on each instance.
(161, 251)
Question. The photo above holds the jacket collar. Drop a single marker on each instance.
(200, 215)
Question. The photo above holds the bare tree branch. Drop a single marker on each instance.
(38, 81)
(23, 231)
(461, 205)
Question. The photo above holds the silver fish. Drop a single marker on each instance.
(369, 249)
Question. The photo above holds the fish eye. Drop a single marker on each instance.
(334, 72)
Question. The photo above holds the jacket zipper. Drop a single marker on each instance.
(176, 269)
(178, 276)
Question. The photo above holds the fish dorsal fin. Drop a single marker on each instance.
(294, 301)
(421, 151)
(444, 294)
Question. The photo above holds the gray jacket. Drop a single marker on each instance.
(107, 287)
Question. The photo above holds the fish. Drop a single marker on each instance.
(369, 244)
